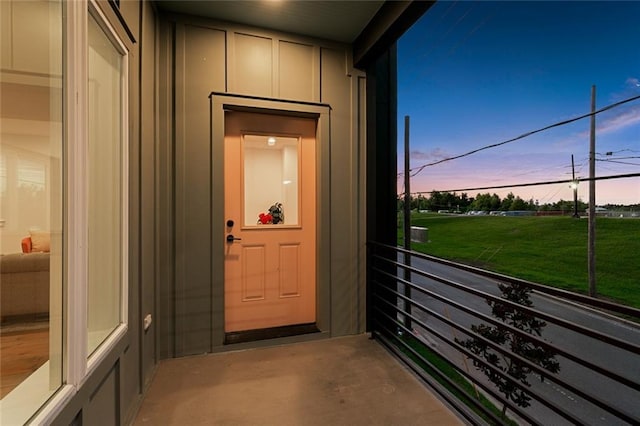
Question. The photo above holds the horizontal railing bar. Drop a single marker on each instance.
(535, 396)
(466, 375)
(622, 344)
(449, 397)
(587, 300)
(405, 317)
(554, 378)
(585, 363)
(542, 400)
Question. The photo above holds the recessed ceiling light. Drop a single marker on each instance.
(271, 141)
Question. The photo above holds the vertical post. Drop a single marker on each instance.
(407, 218)
(574, 185)
(592, 198)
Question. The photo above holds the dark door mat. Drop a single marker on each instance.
(269, 333)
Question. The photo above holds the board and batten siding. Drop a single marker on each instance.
(111, 392)
(198, 57)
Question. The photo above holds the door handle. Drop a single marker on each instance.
(231, 238)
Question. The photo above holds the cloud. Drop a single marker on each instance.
(610, 122)
(624, 119)
(433, 155)
(632, 82)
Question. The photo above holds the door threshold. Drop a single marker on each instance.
(269, 333)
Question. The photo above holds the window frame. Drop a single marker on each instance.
(78, 365)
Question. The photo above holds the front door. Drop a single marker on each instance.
(270, 219)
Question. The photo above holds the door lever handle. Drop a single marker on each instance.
(231, 238)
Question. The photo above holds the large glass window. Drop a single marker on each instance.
(31, 135)
(49, 142)
(106, 194)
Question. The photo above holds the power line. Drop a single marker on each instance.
(542, 183)
(524, 135)
(618, 158)
(548, 198)
(617, 152)
(619, 162)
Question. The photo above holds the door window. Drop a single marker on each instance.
(271, 180)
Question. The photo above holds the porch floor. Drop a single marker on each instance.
(340, 381)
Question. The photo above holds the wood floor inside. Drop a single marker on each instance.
(21, 353)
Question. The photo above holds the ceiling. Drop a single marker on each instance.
(332, 20)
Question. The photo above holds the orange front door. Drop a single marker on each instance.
(270, 220)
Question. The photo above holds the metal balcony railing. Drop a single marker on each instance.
(503, 350)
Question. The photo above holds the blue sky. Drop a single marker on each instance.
(474, 73)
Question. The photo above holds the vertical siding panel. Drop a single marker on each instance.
(102, 407)
(252, 71)
(336, 91)
(296, 71)
(148, 157)
(199, 71)
(361, 203)
(165, 196)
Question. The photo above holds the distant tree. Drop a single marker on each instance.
(464, 201)
(441, 201)
(436, 200)
(545, 207)
(518, 204)
(528, 349)
(420, 202)
(494, 203)
(486, 202)
(507, 201)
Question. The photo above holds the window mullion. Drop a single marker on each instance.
(76, 192)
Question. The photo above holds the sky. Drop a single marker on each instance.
(476, 73)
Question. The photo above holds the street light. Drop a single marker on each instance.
(574, 185)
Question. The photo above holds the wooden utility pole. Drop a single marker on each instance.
(407, 218)
(591, 245)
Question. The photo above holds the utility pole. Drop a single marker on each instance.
(591, 245)
(407, 219)
(574, 185)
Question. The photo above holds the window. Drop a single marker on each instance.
(63, 200)
(106, 189)
(270, 176)
(31, 141)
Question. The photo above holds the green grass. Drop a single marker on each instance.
(546, 250)
(444, 366)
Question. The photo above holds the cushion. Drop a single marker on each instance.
(40, 241)
(26, 244)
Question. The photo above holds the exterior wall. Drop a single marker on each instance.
(112, 392)
(175, 63)
(198, 57)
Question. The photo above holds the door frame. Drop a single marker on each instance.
(221, 102)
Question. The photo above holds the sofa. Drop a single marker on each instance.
(24, 285)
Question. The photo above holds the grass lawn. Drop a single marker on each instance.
(546, 250)
(468, 390)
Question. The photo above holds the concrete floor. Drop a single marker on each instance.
(342, 381)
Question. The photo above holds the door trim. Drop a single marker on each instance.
(219, 102)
